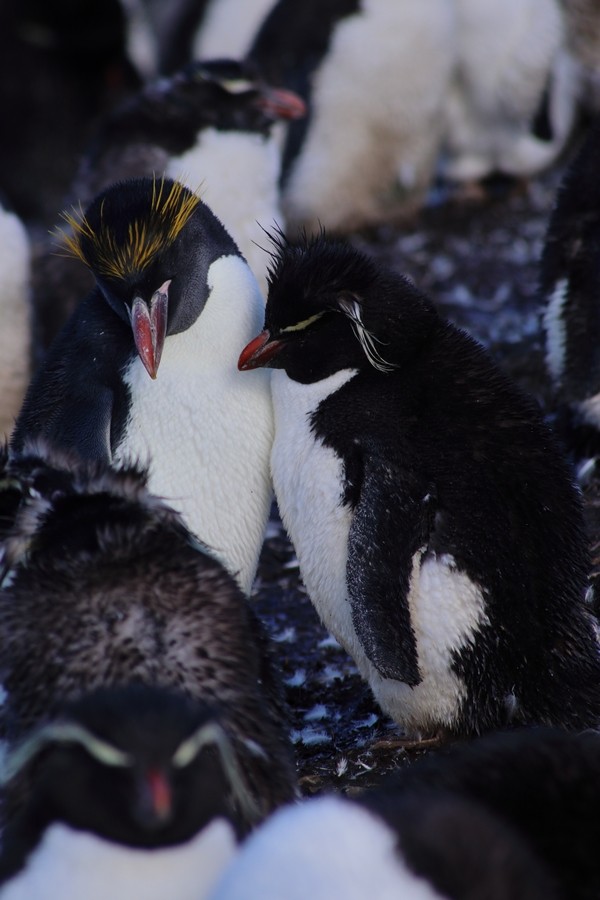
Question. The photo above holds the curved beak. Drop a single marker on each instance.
(259, 351)
(279, 103)
(149, 326)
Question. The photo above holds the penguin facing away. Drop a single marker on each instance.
(437, 526)
(104, 586)
(512, 103)
(374, 75)
(172, 289)
(128, 792)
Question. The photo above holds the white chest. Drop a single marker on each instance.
(205, 428)
(74, 865)
(446, 608)
(238, 173)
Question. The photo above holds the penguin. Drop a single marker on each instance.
(507, 815)
(103, 586)
(128, 792)
(512, 105)
(229, 27)
(62, 65)
(374, 75)
(567, 289)
(15, 334)
(210, 124)
(582, 18)
(172, 289)
(436, 521)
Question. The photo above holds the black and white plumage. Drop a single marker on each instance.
(510, 815)
(374, 74)
(512, 104)
(437, 526)
(130, 792)
(210, 124)
(568, 288)
(171, 288)
(104, 586)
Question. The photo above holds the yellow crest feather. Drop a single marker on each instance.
(170, 210)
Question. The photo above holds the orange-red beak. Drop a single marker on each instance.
(259, 352)
(279, 103)
(149, 326)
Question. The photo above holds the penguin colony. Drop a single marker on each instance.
(208, 342)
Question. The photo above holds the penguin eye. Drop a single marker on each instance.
(300, 326)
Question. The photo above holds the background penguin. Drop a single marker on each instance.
(62, 65)
(210, 125)
(582, 18)
(374, 74)
(438, 530)
(513, 98)
(103, 586)
(568, 293)
(171, 288)
(510, 815)
(133, 792)
(15, 313)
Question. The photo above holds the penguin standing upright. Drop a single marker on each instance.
(172, 289)
(127, 792)
(102, 587)
(512, 102)
(374, 74)
(437, 526)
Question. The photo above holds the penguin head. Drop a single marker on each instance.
(227, 95)
(330, 308)
(138, 765)
(149, 243)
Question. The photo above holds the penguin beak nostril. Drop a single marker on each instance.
(149, 326)
(259, 351)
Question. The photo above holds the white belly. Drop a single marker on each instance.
(445, 607)
(74, 865)
(205, 428)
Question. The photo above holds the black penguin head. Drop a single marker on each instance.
(149, 243)
(138, 765)
(229, 95)
(330, 307)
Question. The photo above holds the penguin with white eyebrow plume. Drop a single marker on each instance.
(103, 586)
(145, 368)
(437, 526)
(126, 792)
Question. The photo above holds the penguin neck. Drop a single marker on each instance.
(204, 428)
(239, 173)
(80, 864)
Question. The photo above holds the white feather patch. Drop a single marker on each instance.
(74, 865)
(238, 173)
(206, 428)
(15, 333)
(555, 329)
(323, 849)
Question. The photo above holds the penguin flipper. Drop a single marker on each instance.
(389, 526)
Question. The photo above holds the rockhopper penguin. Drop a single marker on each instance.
(102, 586)
(130, 792)
(437, 526)
(172, 290)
